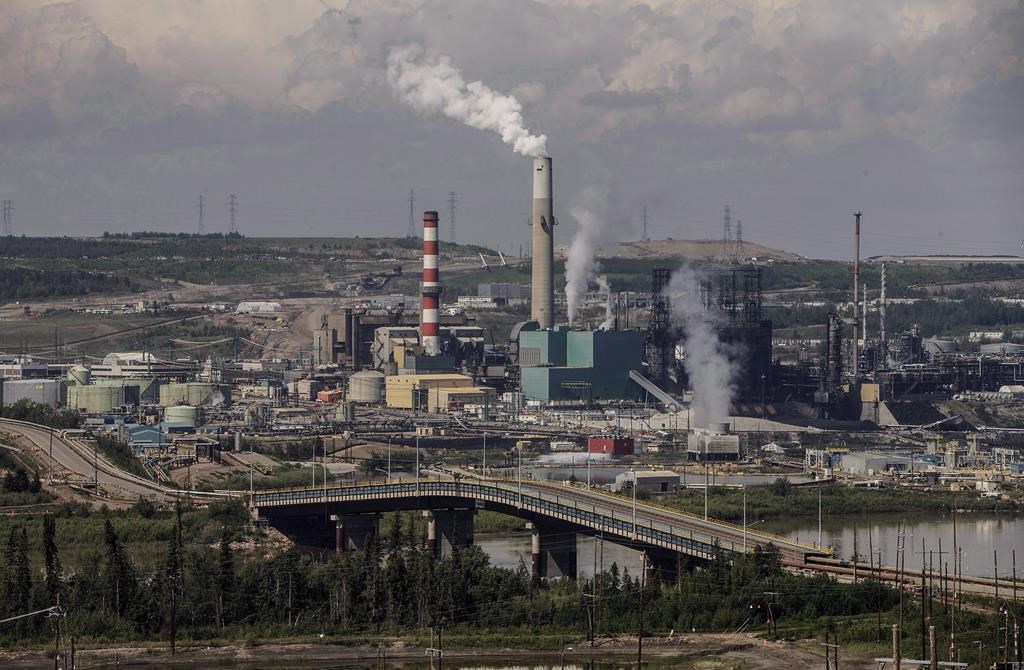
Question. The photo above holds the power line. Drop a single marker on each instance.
(200, 227)
(451, 215)
(233, 211)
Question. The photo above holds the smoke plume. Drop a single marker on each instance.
(609, 313)
(579, 263)
(435, 86)
(711, 373)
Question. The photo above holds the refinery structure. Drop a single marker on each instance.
(689, 372)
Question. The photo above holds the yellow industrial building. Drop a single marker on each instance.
(433, 392)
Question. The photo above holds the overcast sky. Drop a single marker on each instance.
(116, 114)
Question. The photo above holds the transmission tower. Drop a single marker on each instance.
(644, 219)
(412, 215)
(451, 215)
(201, 229)
(726, 233)
(233, 211)
(8, 227)
(739, 239)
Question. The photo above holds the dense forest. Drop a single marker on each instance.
(26, 283)
(192, 588)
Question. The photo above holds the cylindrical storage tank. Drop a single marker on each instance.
(366, 387)
(238, 442)
(43, 391)
(182, 414)
(80, 375)
(95, 399)
(350, 411)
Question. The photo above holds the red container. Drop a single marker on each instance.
(610, 444)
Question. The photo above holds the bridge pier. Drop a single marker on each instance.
(353, 531)
(553, 549)
(666, 564)
(448, 529)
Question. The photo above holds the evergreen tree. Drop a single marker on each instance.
(51, 559)
(225, 580)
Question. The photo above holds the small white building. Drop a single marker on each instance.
(259, 308)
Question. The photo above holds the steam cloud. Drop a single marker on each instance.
(435, 86)
(609, 314)
(579, 264)
(712, 375)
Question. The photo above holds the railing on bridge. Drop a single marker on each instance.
(570, 504)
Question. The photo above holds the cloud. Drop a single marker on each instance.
(696, 100)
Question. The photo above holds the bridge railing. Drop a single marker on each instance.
(312, 493)
(651, 531)
(759, 534)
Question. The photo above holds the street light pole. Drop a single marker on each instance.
(484, 467)
(417, 463)
(520, 450)
(389, 459)
(744, 518)
(633, 470)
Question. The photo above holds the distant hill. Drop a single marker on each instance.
(701, 249)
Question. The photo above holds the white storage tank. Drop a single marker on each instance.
(95, 399)
(43, 391)
(182, 414)
(80, 375)
(366, 387)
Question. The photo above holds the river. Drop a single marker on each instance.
(977, 535)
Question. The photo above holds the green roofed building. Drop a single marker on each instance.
(563, 364)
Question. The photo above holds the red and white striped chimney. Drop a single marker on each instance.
(430, 288)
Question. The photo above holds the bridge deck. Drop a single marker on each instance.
(594, 512)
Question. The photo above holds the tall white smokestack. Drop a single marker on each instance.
(542, 301)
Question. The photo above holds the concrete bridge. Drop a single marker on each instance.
(556, 513)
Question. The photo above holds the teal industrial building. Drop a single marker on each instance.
(562, 364)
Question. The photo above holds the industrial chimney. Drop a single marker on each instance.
(430, 288)
(542, 301)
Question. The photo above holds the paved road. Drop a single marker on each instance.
(77, 458)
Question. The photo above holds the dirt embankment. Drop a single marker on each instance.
(704, 651)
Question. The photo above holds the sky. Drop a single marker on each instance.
(116, 115)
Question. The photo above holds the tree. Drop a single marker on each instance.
(119, 571)
(225, 579)
(51, 559)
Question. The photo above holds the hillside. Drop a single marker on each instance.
(699, 249)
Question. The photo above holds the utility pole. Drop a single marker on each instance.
(896, 646)
(726, 233)
(412, 215)
(201, 205)
(8, 221)
(451, 215)
(233, 211)
(855, 367)
(640, 628)
(644, 219)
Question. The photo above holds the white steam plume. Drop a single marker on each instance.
(712, 375)
(609, 314)
(435, 86)
(579, 263)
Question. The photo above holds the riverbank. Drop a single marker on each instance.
(783, 500)
(729, 652)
